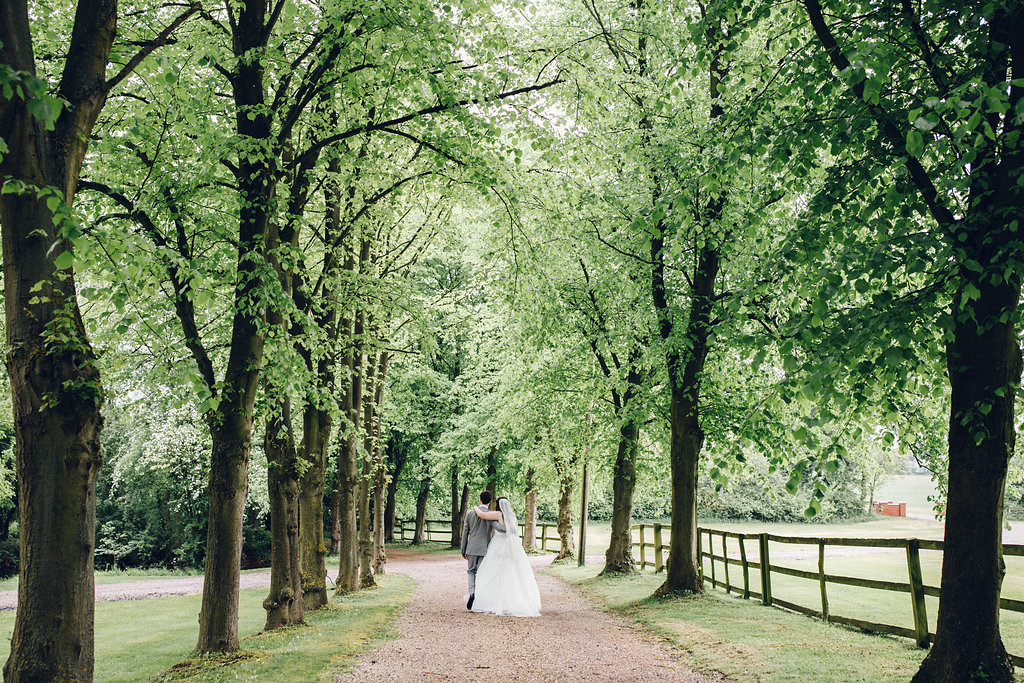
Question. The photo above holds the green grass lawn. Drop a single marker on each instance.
(136, 640)
(744, 640)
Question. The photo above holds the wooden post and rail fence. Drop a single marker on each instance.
(760, 561)
(441, 530)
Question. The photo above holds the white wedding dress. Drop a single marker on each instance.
(504, 581)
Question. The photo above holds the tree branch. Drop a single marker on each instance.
(148, 49)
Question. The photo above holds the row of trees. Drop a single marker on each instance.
(480, 243)
(251, 189)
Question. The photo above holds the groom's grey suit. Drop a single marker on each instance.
(476, 535)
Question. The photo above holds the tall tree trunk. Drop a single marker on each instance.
(983, 357)
(422, 496)
(284, 602)
(231, 427)
(397, 459)
(492, 475)
(463, 507)
(565, 488)
(335, 519)
(455, 511)
(619, 556)
(984, 365)
(316, 427)
(366, 482)
(530, 513)
(380, 471)
(348, 467)
(687, 437)
(55, 386)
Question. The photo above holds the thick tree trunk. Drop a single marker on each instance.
(231, 427)
(228, 486)
(284, 602)
(55, 386)
(530, 513)
(984, 364)
(316, 427)
(619, 556)
(348, 457)
(687, 438)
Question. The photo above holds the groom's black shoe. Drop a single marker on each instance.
(469, 603)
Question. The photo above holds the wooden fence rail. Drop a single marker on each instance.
(441, 530)
(914, 585)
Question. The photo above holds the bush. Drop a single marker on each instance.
(8, 557)
(255, 547)
(762, 497)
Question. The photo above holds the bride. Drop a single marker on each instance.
(504, 582)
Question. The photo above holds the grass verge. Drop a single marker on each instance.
(136, 640)
(437, 547)
(316, 651)
(745, 641)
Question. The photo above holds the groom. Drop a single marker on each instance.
(476, 535)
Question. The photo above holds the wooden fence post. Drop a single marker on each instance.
(917, 592)
(746, 567)
(543, 537)
(700, 556)
(766, 570)
(725, 561)
(821, 580)
(658, 563)
(643, 555)
(711, 551)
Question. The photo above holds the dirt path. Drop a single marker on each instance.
(149, 588)
(571, 640)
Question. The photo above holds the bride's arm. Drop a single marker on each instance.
(490, 515)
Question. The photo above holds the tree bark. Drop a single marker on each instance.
(456, 511)
(397, 460)
(284, 602)
(983, 358)
(984, 364)
(422, 496)
(366, 482)
(316, 427)
(231, 427)
(348, 466)
(55, 386)
(687, 437)
(619, 556)
(565, 489)
(530, 513)
(380, 477)
(492, 475)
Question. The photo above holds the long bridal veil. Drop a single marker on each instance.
(504, 581)
(511, 523)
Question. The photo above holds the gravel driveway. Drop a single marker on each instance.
(150, 588)
(438, 639)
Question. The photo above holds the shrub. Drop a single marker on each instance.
(8, 557)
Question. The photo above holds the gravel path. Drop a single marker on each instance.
(150, 588)
(571, 640)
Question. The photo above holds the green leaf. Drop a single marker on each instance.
(915, 143)
(64, 260)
